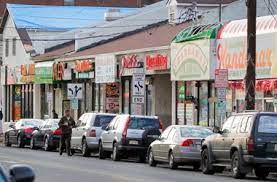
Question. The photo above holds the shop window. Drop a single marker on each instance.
(126, 96)
(14, 47)
(7, 47)
(203, 104)
(69, 2)
(180, 92)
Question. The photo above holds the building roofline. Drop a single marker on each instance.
(4, 20)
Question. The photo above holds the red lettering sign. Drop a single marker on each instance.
(131, 62)
(157, 62)
(83, 66)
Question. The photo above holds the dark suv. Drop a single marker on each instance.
(246, 141)
(129, 135)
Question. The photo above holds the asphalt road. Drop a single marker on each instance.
(49, 166)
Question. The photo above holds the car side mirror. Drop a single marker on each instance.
(216, 129)
(22, 173)
(11, 126)
(107, 128)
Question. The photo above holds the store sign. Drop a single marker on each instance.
(27, 73)
(112, 104)
(13, 75)
(44, 72)
(62, 71)
(232, 55)
(106, 69)
(131, 64)
(221, 78)
(156, 62)
(84, 66)
(74, 91)
(192, 60)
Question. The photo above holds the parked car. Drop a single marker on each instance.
(21, 132)
(178, 145)
(85, 137)
(17, 173)
(47, 136)
(246, 141)
(129, 135)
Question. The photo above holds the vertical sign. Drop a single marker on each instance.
(75, 91)
(221, 78)
(138, 88)
(105, 69)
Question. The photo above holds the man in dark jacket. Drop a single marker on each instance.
(66, 124)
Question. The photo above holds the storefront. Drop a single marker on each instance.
(155, 66)
(192, 72)
(232, 55)
(44, 78)
(107, 84)
(18, 83)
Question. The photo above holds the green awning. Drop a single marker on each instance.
(197, 32)
(44, 72)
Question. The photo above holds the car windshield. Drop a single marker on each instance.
(54, 123)
(267, 124)
(103, 120)
(31, 123)
(143, 123)
(195, 132)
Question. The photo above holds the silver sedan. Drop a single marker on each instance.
(178, 145)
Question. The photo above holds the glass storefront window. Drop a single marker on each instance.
(203, 117)
(126, 96)
(180, 103)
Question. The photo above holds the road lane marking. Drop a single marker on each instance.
(59, 166)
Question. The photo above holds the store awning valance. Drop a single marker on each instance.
(44, 72)
(197, 32)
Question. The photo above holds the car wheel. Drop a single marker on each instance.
(32, 144)
(7, 141)
(151, 159)
(236, 166)
(115, 155)
(261, 173)
(20, 142)
(85, 150)
(172, 163)
(46, 144)
(205, 163)
(102, 153)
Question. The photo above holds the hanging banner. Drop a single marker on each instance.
(105, 69)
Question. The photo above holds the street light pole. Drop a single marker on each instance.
(250, 77)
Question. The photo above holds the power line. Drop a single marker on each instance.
(270, 11)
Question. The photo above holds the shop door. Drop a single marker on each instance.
(268, 105)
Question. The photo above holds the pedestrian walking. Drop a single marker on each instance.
(55, 115)
(66, 124)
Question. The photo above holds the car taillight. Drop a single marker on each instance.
(187, 143)
(57, 132)
(250, 144)
(125, 130)
(92, 133)
(161, 126)
(28, 130)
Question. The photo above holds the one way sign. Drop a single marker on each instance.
(138, 84)
(74, 91)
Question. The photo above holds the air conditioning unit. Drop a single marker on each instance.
(113, 14)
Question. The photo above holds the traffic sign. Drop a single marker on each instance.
(74, 91)
(221, 78)
(138, 99)
(221, 94)
(74, 104)
(138, 84)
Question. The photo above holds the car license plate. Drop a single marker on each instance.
(133, 142)
(275, 147)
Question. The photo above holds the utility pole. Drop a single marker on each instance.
(250, 77)
(220, 11)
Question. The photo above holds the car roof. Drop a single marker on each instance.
(190, 126)
(140, 116)
(30, 119)
(100, 113)
(254, 113)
